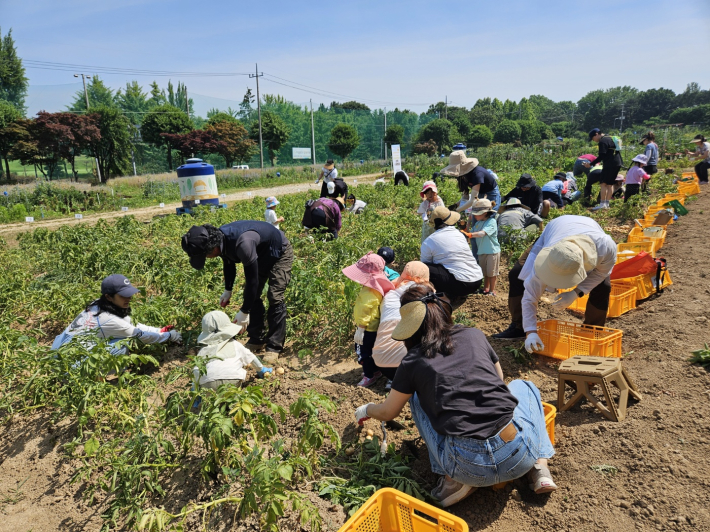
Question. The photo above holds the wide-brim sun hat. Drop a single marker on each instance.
(482, 206)
(697, 139)
(271, 201)
(445, 215)
(641, 158)
(428, 185)
(217, 328)
(459, 164)
(413, 315)
(329, 164)
(370, 271)
(566, 264)
(512, 202)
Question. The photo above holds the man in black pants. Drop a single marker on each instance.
(611, 161)
(572, 252)
(401, 177)
(267, 256)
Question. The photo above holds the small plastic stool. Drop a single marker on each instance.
(602, 371)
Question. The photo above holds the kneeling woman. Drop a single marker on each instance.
(110, 318)
(478, 431)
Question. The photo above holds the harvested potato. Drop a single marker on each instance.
(280, 371)
(370, 432)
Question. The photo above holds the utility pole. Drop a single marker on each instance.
(86, 94)
(621, 125)
(258, 106)
(383, 139)
(313, 138)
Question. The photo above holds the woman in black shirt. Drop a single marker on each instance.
(479, 432)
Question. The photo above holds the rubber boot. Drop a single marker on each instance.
(515, 329)
(595, 316)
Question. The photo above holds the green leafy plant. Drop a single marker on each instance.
(701, 356)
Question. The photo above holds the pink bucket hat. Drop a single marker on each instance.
(370, 271)
(426, 186)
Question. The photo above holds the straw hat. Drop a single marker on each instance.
(329, 164)
(510, 203)
(445, 215)
(482, 206)
(217, 328)
(566, 264)
(370, 271)
(459, 164)
(698, 139)
(413, 315)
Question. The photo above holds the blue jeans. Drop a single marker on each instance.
(488, 462)
(493, 195)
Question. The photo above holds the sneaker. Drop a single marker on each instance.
(388, 385)
(490, 294)
(599, 207)
(513, 332)
(541, 480)
(254, 347)
(449, 492)
(366, 382)
(263, 371)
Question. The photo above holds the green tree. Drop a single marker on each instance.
(480, 137)
(9, 114)
(350, 106)
(651, 103)
(133, 102)
(690, 115)
(157, 96)
(113, 146)
(13, 82)
(164, 118)
(508, 131)
(274, 131)
(343, 140)
(245, 108)
(600, 108)
(562, 129)
(441, 131)
(99, 95)
(394, 135)
(533, 131)
(486, 112)
(235, 142)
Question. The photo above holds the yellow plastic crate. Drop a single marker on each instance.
(689, 189)
(628, 250)
(669, 197)
(389, 510)
(637, 235)
(649, 218)
(550, 415)
(649, 281)
(565, 339)
(621, 300)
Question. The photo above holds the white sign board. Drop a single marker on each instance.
(78, 216)
(162, 205)
(197, 202)
(29, 219)
(124, 209)
(396, 159)
(301, 153)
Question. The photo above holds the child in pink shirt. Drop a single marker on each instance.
(635, 177)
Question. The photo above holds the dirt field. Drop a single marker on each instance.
(660, 451)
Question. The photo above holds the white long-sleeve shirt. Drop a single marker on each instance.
(556, 230)
(109, 325)
(228, 363)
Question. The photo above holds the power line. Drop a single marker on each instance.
(47, 65)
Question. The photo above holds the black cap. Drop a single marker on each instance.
(526, 180)
(195, 243)
(594, 132)
(387, 254)
(561, 175)
(118, 284)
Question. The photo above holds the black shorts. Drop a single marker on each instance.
(554, 197)
(608, 176)
(650, 169)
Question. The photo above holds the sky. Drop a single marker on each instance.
(405, 54)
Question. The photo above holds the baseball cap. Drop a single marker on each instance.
(195, 243)
(118, 284)
(593, 132)
(387, 254)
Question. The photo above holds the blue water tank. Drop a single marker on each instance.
(197, 181)
(460, 146)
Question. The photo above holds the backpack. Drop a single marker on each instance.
(617, 143)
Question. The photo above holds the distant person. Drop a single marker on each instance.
(594, 176)
(337, 188)
(635, 177)
(430, 194)
(651, 153)
(583, 164)
(513, 215)
(354, 205)
(570, 192)
(270, 213)
(702, 151)
(473, 179)
(401, 177)
(327, 174)
(552, 191)
(610, 158)
(529, 193)
(325, 214)
(387, 254)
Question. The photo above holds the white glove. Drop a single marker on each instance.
(241, 319)
(533, 343)
(361, 413)
(360, 335)
(224, 300)
(317, 181)
(175, 337)
(564, 299)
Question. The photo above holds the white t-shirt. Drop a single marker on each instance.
(358, 206)
(270, 217)
(226, 364)
(447, 246)
(426, 207)
(556, 230)
(107, 325)
(330, 175)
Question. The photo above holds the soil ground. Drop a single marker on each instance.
(10, 231)
(660, 451)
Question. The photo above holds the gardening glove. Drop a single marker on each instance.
(167, 328)
(263, 371)
(564, 299)
(533, 343)
(175, 337)
(242, 318)
(224, 300)
(361, 413)
(360, 335)
(317, 181)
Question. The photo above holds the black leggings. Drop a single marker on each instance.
(701, 170)
(364, 354)
(631, 190)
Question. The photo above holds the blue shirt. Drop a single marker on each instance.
(488, 244)
(554, 186)
(651, 153)
(391, 274)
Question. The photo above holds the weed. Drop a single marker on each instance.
(519, 353)
(701, 356)
(605, 469)
(13, 496)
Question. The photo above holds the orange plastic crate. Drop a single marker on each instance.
(390, 510)
(565, 339)
(621, 300)
(637, 235)
(649, 218)
(689, 189)
(669, 197)
(639, 282)
(550, 415)
(628, 250)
